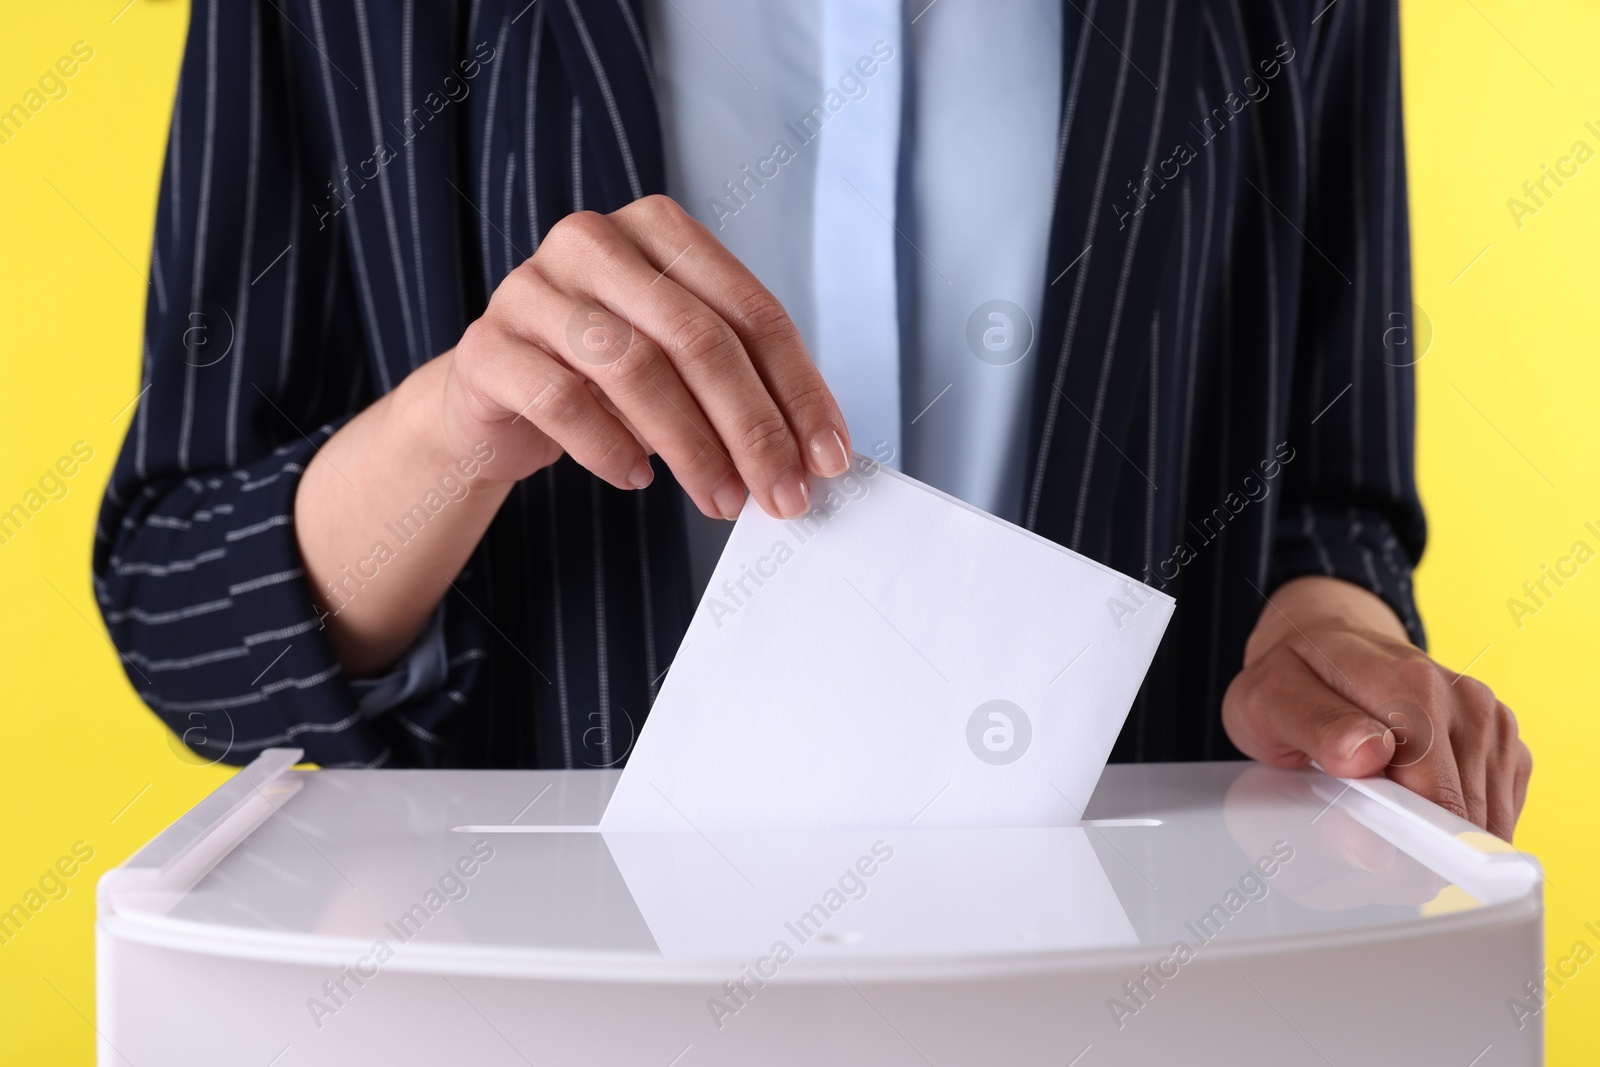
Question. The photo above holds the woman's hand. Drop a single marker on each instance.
(1329, 675)
(636, 333)
(626, 334)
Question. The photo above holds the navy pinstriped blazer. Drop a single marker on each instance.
(1217, 403)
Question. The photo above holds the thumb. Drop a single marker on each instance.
(1279, 711)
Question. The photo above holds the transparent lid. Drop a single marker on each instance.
(506, 869)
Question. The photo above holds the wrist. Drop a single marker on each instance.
(390, 493)
(415, 421)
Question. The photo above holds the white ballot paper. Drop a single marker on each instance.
(895, 658)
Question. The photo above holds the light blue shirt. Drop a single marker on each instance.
(888, 172)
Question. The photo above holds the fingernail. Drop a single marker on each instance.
(642, 474)
(790, 493)
(1351, 750)
(827, 451)
(729, 496)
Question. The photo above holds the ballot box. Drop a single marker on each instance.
(1208, 913)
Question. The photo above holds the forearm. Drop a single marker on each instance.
(386, 515)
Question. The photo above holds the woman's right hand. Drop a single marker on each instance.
(625, 334)
(636, 333)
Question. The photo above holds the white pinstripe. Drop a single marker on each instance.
(639, 45)
(530, 115)
(1274, 354)
(1319, 92)
(358, 256)
(1053, 401)
(602, 650)
(510, 188)
(1372, 574)
(258, 527)
(172, 522)
(160, 570)
(250, 487)
(1391, 295)
(555, 612)
(647, 594)
(1294, 99)
(1358, 192)
(485, 204)
(611, 101)
(283, 632)
(307, 682)
(577, 154)
(265, 580)
(1309, 528)
(174, 166)
(1314, 43)
(472, 20)
(1194, 327)
(1127, 270)
(385, 193)
(1150, 489)
(157, 279)
(1069, 108)
(161, 618)
(1408, 611)
(141, 417)
(1186, 199)
(160, 703)
(1326, 61)
(203, 211)
(1225, 422)
(242, 301)
(292, 267)
(407, 31)
(156, 666)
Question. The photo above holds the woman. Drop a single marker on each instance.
(432, 366)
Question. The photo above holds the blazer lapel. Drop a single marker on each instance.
(1126, 94)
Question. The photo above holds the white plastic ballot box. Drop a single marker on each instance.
(1221, 913)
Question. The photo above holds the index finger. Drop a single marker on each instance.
(668, 235)
(1279, 711)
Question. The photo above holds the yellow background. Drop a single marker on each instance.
(1508, 392)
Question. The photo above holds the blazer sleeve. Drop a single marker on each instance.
(1350, 506)
(253, 356)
